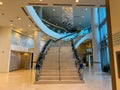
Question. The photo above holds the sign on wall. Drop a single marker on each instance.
(118, 62)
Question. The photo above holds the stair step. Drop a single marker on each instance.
(50, 73)
(68, 74)
(48, 78)
(49, 68)
(70, 78)
(59, 82)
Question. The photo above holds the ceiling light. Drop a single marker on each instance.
(1, 3)
(76, 0)
(11, 24)
(53, 9)
(86, 9)
(83, 16)
(29, 25)
(18, 18)
(40, 0)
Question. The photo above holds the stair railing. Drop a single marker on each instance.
(40, 59)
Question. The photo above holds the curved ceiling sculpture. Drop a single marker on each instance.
(40, 24)
(65, 19)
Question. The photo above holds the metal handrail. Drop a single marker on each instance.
(40, 59)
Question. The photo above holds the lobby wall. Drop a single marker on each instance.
(5, 36)
(115, 24)
(21, 56)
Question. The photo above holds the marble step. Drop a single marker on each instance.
(49, 74)
(70, 77)
(59, 81)
(49, 78)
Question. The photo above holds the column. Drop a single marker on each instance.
(37, 38)
(5, 42)
(89, 61)
(95, 40)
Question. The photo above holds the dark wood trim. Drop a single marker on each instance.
(36, 26)
(92, 5)
(86, 5)
(110, 42)
(34, 4)
(24, 11)
(31, 20)
(62, 4)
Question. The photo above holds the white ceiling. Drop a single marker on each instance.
(11, 9)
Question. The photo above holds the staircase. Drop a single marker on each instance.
(59, 67)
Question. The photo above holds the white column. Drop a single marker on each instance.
(5, 42)
(37, 38)
(89, 61)
(96, 40)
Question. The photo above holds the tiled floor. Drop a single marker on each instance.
(22, 80)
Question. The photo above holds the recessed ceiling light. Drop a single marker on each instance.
(53, 9)
(40, 0)
(76, 0)
(18, 18)
(83, 16)
(29, 25)
(1, 3)
(11, 24)
(86, 9)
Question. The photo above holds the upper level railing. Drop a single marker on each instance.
(55, 28)
(81, 34)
